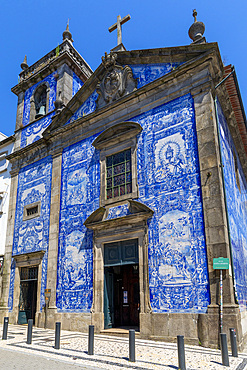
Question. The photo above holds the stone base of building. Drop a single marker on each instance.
(197, 329)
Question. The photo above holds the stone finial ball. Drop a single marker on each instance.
(196, 30)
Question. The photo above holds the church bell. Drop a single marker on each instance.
(41, 112)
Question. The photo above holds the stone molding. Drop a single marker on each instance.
(29, 259)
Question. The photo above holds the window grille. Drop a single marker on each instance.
(29, 273)
(32, 211)
(119, 177)
(1, 203)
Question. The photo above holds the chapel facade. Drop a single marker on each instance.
(126, 182)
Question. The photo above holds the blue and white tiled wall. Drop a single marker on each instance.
(33, 132)
(169, 183)
(146, 73)
(236, 197)
(79, 198)
(77, 84)
(34, 184)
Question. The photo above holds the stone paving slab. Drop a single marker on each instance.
(112, 353)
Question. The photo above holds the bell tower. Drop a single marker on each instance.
(46, 87)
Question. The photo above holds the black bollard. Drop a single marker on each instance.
(224, 349)
(29, 331)
(234, 346)
(90, 339)
(57, 335)
(5, 328)
(132, 355)
(181, 353)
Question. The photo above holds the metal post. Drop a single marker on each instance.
(221, 302)
(29, 331)
(46, 305)
(90, 339)
(5, 328)
(57, 335)
(224, 350)
(234, 346)
(132, 355)
(181, 353)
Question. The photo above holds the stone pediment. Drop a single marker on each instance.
(124, 73)
(116, 134)
(125, 212)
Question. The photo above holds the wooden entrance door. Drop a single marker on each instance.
(28, 294)
(127, 296)
(121, 284)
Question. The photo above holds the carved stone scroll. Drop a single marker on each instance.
(117, 82)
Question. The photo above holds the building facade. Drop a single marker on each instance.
(126, 183)
(6, 148)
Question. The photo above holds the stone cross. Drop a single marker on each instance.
(118, 25)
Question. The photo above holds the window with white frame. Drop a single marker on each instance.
(1, 202)
(3, 161)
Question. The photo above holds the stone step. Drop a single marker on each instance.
(120, 332)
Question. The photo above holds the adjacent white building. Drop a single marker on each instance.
(6, 147)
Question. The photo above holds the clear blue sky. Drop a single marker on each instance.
(35, 27)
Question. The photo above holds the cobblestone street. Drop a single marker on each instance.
(109, 352)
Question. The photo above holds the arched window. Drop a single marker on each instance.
(40, 101)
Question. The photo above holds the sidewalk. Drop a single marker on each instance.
(113, 352)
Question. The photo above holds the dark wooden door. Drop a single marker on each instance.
(28, 294)
(130, 295)
(121, 284)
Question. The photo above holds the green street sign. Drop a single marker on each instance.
(221, 263)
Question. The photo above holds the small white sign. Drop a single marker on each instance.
(125, 296)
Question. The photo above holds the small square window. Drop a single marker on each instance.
(31, 210)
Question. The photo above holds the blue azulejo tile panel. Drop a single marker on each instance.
(51, 80)
(34, 185)
(79, 198)
(86, 108)
(118, 211)
(77, 84)
(11, 285)
(169, 183)
(146, 73)
(33, 132)
(236, 198)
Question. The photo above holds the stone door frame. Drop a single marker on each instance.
(119, 230)
(26, 260)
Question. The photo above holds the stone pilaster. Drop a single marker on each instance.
(20, 108)
(215, 220)
(8, 247)
(53, 235)
(65, 84)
